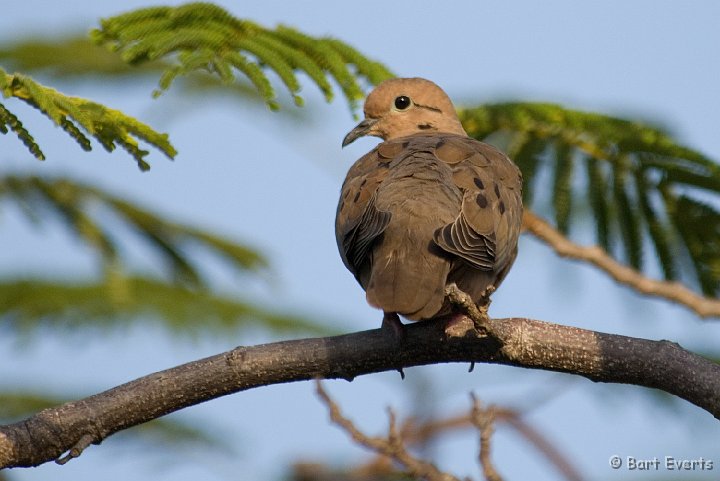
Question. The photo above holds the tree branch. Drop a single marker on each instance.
(392, 445)
(483, 419)
(673, 291)
(519, 342)
(418, 434)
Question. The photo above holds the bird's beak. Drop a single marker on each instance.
(360, 129)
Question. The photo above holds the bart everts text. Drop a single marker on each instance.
(661, 463)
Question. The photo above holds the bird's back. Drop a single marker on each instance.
(419, 212)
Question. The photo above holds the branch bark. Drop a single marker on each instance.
(672, 291)
(69, 428)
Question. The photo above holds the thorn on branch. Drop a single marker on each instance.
(74, 452)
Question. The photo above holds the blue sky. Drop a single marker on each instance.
(263, 178)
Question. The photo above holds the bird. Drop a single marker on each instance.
(427, 207)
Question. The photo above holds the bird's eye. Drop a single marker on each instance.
(402, 102)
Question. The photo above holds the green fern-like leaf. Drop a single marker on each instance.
(628, 214)
(599, 193)
(203, 36)
(657, 227)
(9, 120)
(73, 55)
(77, 205)
(526, 152)
(28, 305)
(641, 183)
(78, 117)
(699, 225)
(562, 186)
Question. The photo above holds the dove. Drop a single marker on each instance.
(428, 207)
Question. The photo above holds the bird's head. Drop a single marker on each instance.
(406, 106)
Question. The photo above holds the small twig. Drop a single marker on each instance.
(462, 300)
(541, 443)
(419, 434)
(673, 291)
(74, 452)
(392, 446)
(483, 419)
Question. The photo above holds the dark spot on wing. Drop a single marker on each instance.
(357, 196)
(501, 207)
(479, 183)
(481, 201)
(497, 190)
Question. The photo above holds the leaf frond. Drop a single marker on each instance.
(600, 202)
(699, 225)
(628, 215)
(9, 120)
(67, 56)
(77, 204)
(75, 115)
(562, 186)
(31, 304)
(526, 152)
(660, 232)
(642, 184)
(203, 36)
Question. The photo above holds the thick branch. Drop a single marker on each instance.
(520, 342)
(673, 291)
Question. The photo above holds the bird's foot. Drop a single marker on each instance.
(484, 303)
(476, 312)
(457, 324)
(483, 310)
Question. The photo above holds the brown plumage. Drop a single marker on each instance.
(427, 207)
